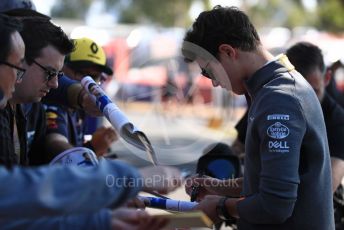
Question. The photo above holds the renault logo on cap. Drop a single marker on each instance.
(94, 48)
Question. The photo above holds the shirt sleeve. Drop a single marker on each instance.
(100, 220)
(279, 129)
(63, 190)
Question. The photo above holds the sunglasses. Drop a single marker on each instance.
(20, 71)
(50, 72)
(206, 73)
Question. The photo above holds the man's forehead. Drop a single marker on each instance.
(17, 44)
(49, 54)
(16, 39)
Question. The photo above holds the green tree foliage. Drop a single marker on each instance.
(165, 13)
(71, 8)
(327, 16)
(331, 15)
(279, 13)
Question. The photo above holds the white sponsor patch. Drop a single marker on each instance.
(278, 131)
(282, 117)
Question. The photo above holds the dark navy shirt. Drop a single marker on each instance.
(66, 122)
(287, 182)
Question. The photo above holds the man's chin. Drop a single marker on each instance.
(37, 99)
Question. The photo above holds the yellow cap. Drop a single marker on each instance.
(88, 51)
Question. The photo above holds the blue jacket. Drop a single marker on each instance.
(93, 221)
(62, 190)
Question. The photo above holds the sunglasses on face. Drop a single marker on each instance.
(20, 71)
(50, 73)
(207, 73)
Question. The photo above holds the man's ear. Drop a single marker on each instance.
(328, 76)
(227, 50)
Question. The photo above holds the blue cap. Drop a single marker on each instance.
(6, 5)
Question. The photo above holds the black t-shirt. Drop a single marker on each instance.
(334, 121)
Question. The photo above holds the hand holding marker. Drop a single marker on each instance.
(168, 204)
(118, 119)
(120, 122)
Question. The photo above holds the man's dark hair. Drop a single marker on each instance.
(223, 25)
(40, 32)
(7, 27)
(306, 57)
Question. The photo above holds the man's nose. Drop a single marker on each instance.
(53, 83)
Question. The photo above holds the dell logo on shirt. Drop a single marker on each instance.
(278, 145)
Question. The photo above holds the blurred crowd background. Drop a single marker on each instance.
(151, 82)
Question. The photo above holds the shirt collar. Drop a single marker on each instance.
(265, 74)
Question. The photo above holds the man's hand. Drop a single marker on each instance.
(102, 139)
(78, 98)
(198, 184)
(161, 179)
(212, 186)
(209, 203)
(208, 206)
(135, 203)
(131, 219)
(86, 101)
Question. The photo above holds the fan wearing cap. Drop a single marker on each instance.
(65, 126)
